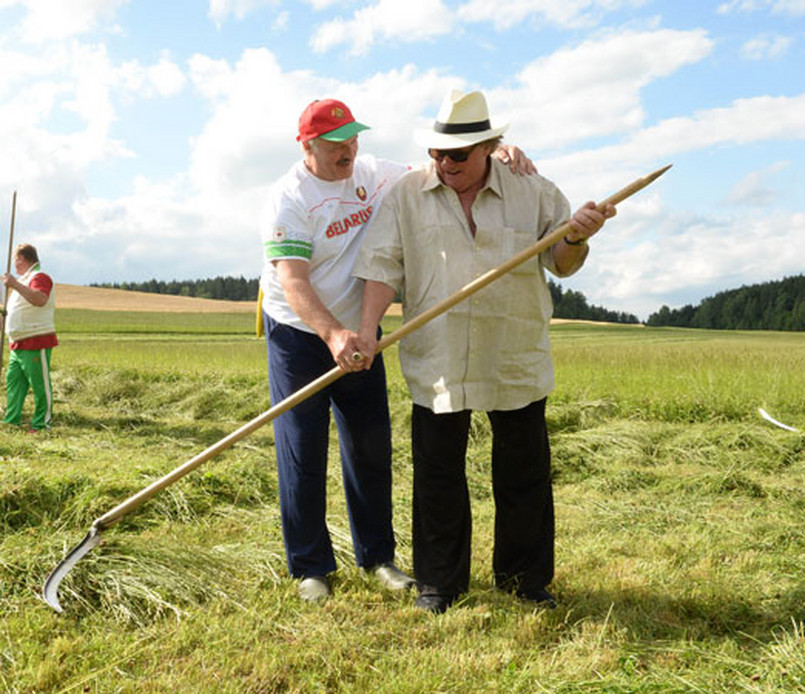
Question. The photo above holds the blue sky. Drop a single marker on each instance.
(141, 137)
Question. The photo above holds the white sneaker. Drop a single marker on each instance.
(314, 588)
(391, 577)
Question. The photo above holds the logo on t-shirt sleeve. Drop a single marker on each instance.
(281, 246)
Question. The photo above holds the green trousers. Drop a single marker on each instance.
(29, 369)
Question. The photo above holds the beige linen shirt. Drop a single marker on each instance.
(491, 351)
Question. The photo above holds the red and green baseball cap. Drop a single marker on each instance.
(328, 119)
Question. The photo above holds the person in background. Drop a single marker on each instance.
(436, 231)
(312, 227)
(31, 333)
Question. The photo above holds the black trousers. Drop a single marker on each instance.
(521, 479)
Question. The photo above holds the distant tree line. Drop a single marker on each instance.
(566, 304)
(778, 305)
(229, 288)
(573, 305)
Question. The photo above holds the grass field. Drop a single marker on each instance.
(680, 533)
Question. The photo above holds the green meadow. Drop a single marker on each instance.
(680, 527)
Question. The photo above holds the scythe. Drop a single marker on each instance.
(93, 537)
(8, 269)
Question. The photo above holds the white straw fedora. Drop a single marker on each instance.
(463, 120)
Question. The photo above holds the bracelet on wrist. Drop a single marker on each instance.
(581, 242)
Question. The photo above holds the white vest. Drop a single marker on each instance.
(25, 320)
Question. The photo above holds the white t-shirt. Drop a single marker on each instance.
(322, 222)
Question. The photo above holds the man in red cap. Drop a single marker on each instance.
(313, 225)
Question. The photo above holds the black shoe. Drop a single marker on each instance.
(433, 603)
(540, 596)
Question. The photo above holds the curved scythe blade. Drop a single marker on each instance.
(50, 592)
(774, 421)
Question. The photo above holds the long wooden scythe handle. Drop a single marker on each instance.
(92, 539)
(8, 269)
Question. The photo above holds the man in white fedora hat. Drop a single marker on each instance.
(312, 226)
(436, 231)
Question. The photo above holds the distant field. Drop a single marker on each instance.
(73, 296)
(100, 299)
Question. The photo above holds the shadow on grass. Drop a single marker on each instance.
(654, 616)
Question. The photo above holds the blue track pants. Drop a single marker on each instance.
(360, 406)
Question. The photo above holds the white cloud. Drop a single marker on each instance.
(789, 7)
(92, 76)
(745, 121)
(741, 6)
(422, 20)
(593, 89)
(688, 259)
(46, 20)
(766, 46)
(19, 68)
(410, 21)
(792, 7)
(249, 139)
(220, 10)
(209, 76)
(162, 79)
(660, 255)
(123, 236)
(58, 117)
(755, 189)
(566, 13)
(398, 102)
(323, 4)
(281, 22)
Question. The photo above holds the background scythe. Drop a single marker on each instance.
(8, 269)
(93, 537)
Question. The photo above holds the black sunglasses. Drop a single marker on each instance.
(457, 155)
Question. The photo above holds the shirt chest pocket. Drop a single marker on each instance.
(514, 292)
(428, 263)
(519, 242)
